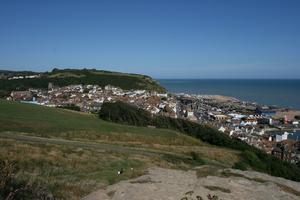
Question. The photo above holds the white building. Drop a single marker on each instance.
(282, 137)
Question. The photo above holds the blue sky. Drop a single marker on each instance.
(164, 39)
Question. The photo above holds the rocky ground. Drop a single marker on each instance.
(168, 184)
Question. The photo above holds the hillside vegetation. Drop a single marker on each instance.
(75, 76)
(70, 154)
(250, 157)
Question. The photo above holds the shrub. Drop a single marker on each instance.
(124, 113)
(240, 165)
(71, 107)
(196, 158)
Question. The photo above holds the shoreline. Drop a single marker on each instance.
(272, 92)
(281, 111)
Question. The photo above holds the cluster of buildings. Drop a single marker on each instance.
(24, 77)
(255, 124)
(89, 98)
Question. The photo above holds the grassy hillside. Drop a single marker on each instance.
(51, 122)
(72, 154)
(76, 76)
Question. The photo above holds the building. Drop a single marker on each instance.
(265, 112)
(21, 95)
(282, 137)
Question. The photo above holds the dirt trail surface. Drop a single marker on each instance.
(167, 184)
(81, 144)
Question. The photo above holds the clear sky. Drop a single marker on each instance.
(163, 39)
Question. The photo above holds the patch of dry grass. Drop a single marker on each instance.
(61, 168)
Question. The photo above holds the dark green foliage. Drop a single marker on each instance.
(128, 114)
(4, 93)
(124, 113)
(297, 117)
(251, 157)
(262, 162)
(240, 165)
(252, 160)
(71, 107)
(164, 99)
(196, 158)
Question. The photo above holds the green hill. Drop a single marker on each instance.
(70, 154)
(77, 76)
(53, 122)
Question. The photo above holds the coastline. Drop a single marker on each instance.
(272, 92)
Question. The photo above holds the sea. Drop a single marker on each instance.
(295, 136)
(282, 93)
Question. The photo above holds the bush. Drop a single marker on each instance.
(197, 159)
(240, 165)
(124, 113)
(71, 107)
(252, 160)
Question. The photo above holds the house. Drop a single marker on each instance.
(282, 137)
(162, 95)
(222, 129)
(21, 95)
(220, 117)
(265, 112)
(249, 121)
(295, 123)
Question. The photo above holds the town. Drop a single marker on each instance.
(274, 130)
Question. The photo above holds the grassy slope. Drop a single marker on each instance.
(80, 170)
(49, 122)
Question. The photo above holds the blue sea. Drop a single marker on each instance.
(283, 93)
(295, 136)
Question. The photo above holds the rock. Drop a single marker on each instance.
(228, 184)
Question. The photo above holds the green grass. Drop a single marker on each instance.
(52, 122)
(67, 171)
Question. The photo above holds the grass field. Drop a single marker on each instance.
(50, 122)
(75, 153)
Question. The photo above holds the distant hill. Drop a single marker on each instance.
(63, 77)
